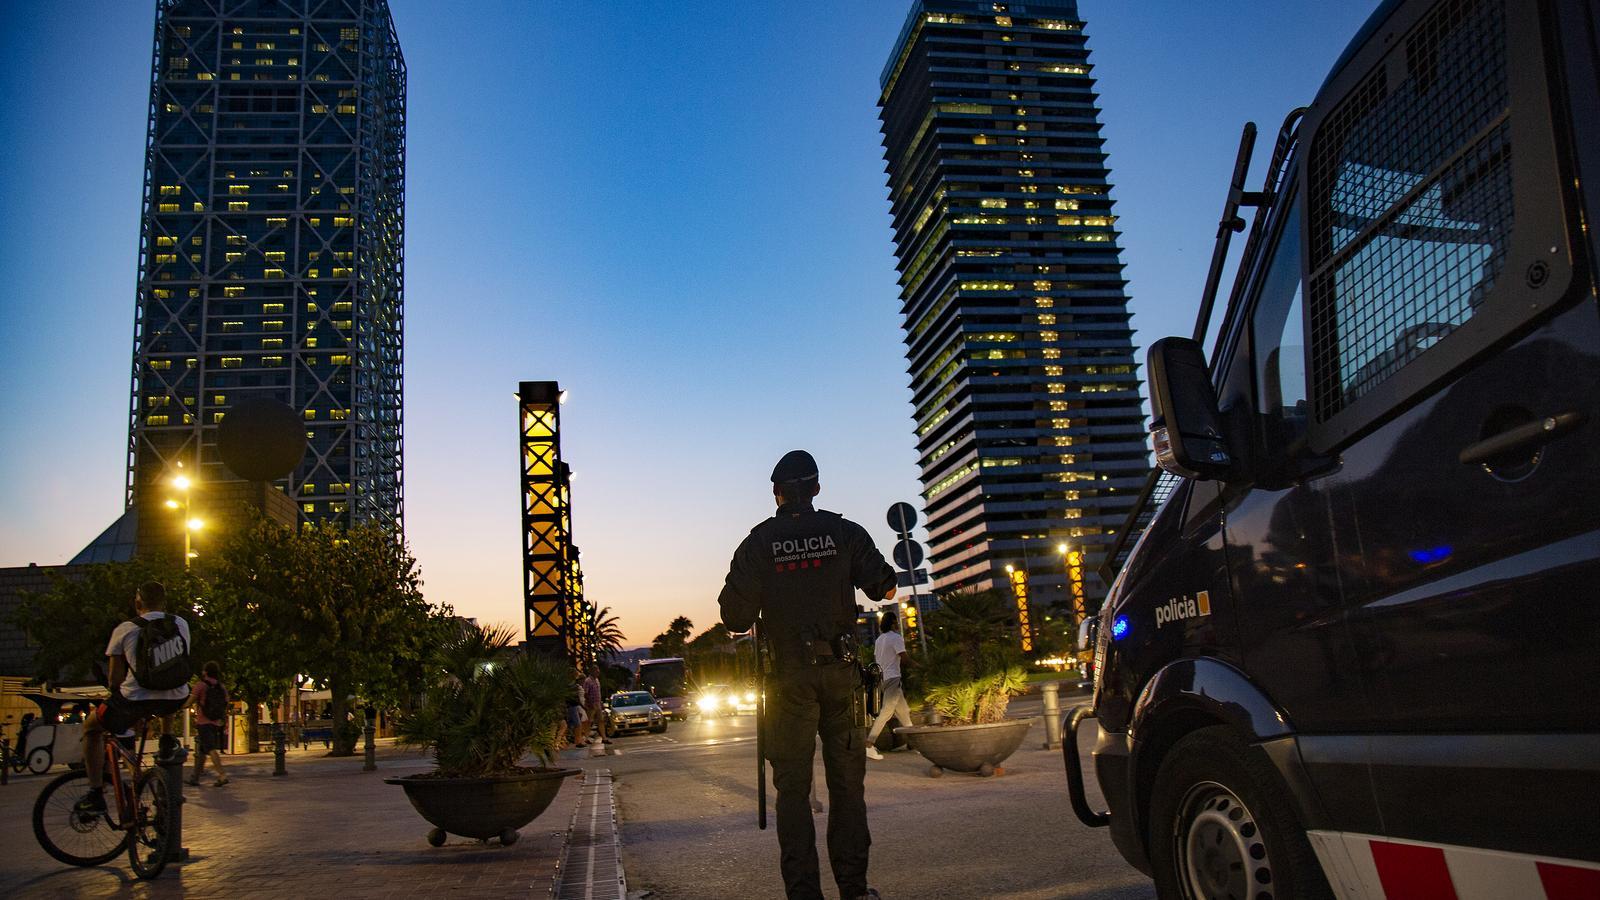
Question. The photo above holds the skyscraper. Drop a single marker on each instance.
(271, 254)
(1027, 406)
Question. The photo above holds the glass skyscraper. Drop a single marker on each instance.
(1026, 396)
(271, 257)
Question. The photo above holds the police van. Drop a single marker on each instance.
(1356, 650)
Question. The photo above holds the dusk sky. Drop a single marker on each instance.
(677, 210)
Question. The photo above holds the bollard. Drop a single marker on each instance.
(367, 740)
(170, 757)
(278, 748)
(1052, 714)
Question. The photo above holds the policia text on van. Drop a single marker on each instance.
(1355, 651)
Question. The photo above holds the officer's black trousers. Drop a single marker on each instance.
(808, 701)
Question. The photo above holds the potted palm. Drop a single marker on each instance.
(489, 707)
(968, 679)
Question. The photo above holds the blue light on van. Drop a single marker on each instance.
(1119, 628)
(1429, 555)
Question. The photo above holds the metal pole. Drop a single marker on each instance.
(367, 733)
(916, 596)
(278, 749)
(1052, 714)
(171, 758)
(761, 729)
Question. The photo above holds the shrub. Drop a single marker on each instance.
(489, 707)
(973, 670)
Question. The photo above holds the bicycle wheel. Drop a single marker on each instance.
(152, 839)
(77, 839)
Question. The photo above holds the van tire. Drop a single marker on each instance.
(1214, 793)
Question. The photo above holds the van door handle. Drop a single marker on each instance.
(1526, 435)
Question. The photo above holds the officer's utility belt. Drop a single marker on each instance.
(841, 649)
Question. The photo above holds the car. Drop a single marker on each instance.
(722, 700)
(635, 711)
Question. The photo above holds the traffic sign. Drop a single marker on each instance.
(908, 554)
(902, 517)
(904, 579)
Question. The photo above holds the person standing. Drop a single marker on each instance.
(210, 715)
(798, 572)
(890, 652)
(593, 704)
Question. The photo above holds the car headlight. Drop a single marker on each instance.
(749, 696)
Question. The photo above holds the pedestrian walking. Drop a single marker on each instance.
(210, 715)
(798, 572)
(593, 704)
(890, 652)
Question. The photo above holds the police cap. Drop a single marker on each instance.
(796, 465)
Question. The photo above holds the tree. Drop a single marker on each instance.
(607, 635)
(969, 620)
(672, 641)
(362, 621)
(711, 655)
(72, 621)
(250, 616)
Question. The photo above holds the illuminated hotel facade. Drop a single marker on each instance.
(271, 257)
(1030, 430)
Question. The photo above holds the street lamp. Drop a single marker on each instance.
(191, 523)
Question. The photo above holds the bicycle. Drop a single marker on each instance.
(135, 819)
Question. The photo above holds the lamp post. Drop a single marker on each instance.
(191, 524)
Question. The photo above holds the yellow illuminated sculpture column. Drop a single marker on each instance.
(548, 563)
(1019, 587)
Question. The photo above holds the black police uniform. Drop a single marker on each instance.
(799, 571)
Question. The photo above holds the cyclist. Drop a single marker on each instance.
(154, 644)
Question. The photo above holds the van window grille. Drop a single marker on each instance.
(1410, 202)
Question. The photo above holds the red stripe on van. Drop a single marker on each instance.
(1409, 872)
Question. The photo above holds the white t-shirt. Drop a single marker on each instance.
(886, 650)
(125, 642)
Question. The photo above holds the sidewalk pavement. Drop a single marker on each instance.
(327, 829)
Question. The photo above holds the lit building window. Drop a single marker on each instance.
(232, 362)
(238, 206)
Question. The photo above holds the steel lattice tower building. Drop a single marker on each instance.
(1028, 414)
(271, 254)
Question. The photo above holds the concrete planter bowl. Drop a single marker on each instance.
(482, 808)
(977, 749)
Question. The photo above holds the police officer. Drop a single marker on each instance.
(799, 571)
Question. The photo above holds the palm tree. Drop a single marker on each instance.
(607, 633)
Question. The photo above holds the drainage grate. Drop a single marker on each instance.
(591, 861)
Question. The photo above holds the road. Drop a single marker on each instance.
(687, 801)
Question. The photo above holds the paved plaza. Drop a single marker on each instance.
(327, 829)
(685, 802)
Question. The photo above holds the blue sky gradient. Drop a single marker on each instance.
(676, 210)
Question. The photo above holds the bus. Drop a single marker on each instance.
(668, 680)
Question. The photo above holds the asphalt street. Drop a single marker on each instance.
(687, 809)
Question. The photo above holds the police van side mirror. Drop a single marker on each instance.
(1187, 427)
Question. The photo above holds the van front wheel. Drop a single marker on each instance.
(1222, 827)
